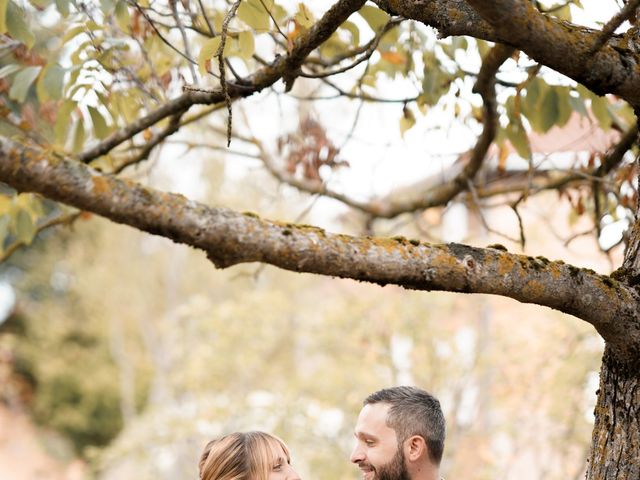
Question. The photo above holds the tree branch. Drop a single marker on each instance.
(230, 238)
(286, 67)
(559, 45)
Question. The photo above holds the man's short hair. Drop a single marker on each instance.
(414, 412)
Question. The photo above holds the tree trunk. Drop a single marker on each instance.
(615, 448)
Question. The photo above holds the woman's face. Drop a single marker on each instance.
(282, 469)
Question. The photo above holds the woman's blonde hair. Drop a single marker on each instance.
(242, 456)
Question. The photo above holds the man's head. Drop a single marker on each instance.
(399, 435)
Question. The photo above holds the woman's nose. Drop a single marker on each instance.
(292, 474)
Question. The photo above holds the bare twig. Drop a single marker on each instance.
(206, 19)
(59, 220)
(220, 54)
(274, 20)
(185, 41)
(161, 37)
(628, 11)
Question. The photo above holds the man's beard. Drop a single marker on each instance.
(395, 469)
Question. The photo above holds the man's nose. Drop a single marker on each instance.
(357, 455)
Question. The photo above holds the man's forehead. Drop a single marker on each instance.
(373, 419)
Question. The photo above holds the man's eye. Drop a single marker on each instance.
(369, 442)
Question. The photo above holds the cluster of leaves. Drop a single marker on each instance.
(19, 215)
(308, 150)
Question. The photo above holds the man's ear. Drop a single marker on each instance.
(415, 448)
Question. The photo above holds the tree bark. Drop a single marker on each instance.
(615, 447)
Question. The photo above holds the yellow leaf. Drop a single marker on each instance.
(246, 44)
(3, 15)
(394, 58)
(208, 50)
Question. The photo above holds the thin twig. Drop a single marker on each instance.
(220, 54)
(476, 201)
(59, 220)
(626, 13)
(185, 41)
(164, 40)
(366, 54)
(206, 19)
(274, 20)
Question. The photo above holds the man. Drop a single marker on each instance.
(399, 435)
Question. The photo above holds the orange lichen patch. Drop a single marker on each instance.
(554, 270)
(100, 185)
(391, 245)
(505, 263)
(534, 289)
(445, 260)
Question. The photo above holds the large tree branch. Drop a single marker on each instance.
(557, 44)
(231, 238)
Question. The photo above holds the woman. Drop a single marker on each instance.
(246, 456)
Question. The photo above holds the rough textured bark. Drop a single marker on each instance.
(615, 449)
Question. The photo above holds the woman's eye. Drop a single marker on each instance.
(277, 467)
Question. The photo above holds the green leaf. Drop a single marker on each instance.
(353, 30)
(407, 120)
(107, 6)
(3, 15)
(246, 44)
(483, 47)
(435, 81)
(577, 105)
(333, 46)
(254, 14)
(584, 92)
(100, 126)
(17, 24)
(40, 4)
(21, 83)
(563, 13)
(600, 111)
(9, 69)
(303, 16)
(61, 129)
(77, 30)
(455, 43)
(208, 50)
(78, 136)
(63, 7)
(375, 17)
(519, 139)
(4, 230)
(123, 18)
(564, 107)
(25, 229)
(50, 82)
(549, 112)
